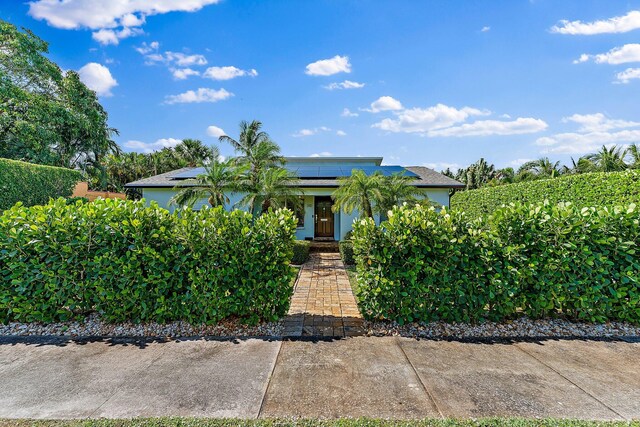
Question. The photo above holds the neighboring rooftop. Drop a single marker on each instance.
(318, 172)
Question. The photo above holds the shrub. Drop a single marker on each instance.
(130, 262)
(346, 252)
(591, 189)
(538, 260)
(34, 184)
(300, 252)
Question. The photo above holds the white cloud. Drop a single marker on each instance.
(329, 67)
(598, 122)
(348, 113)
(384, 103)
(618, 24)
(323, 154)
(341, 133)
(184, 60)
(227, 73)
(107, 37)
(492, 127)
(200, 95)
(423, 120)
(183, 73)
(627, 75)
(113, 20)
(145, 48)
(347, 84)
(581, 143)
(149, 147)
(97, 77)
(215, 131)
(619, 55)
(309, 132)
(485, 29)
(595, 131)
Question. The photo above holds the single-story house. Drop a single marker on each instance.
(317, 181)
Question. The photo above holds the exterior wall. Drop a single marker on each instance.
(341, 221)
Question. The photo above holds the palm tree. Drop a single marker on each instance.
(608, 159)
(220, 179)
(583, 165)
(541, 168)
(633, 151)
(358, 192)
(395, 190)
(193, 152)
(478, 174)
(257, 149)
(274, 188)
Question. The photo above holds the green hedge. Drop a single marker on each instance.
(591, 189)
(135, 263)
(346, 252)
(539, 260)
(34, 184)
(300, 252)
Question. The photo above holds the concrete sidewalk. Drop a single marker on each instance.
(350, 377)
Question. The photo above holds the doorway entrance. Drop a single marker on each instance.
(323, 216)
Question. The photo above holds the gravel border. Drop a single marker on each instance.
(519, 328)
(93, 326)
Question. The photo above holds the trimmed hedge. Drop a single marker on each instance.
(300, 252)
(34, 184)
(590, 189)
(130, 262)
(346, 252)
(541, 260)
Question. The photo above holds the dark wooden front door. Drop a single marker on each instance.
(323, 217)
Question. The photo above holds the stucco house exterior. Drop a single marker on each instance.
(318, 180)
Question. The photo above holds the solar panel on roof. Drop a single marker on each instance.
(190, 173)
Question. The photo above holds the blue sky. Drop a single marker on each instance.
(437, 83)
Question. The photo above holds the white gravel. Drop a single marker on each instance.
(520, 328)
(94, 326)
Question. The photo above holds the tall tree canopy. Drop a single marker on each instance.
(47, 116)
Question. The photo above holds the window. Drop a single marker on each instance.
(298, 210)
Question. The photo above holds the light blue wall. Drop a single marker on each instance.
(342, 222)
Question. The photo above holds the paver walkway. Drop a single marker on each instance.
(323, 303)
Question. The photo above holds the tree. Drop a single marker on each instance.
(479, 174)
(358, 192)
(395, 190)
(47, 116)
(220, 179)
(633, 151)
(194, 152)
(541, 168)
(608, 159)
(274, 188)
(256, 148)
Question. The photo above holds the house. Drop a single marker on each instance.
(318, 180)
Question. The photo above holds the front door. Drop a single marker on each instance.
(323, 217)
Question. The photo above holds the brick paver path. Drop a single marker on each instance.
(323, 303)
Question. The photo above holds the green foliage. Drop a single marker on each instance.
(591, 189)
(346, 252)
(300, 252)
(48, 116)
(540, 260)
(33, 184)
(130, 262)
